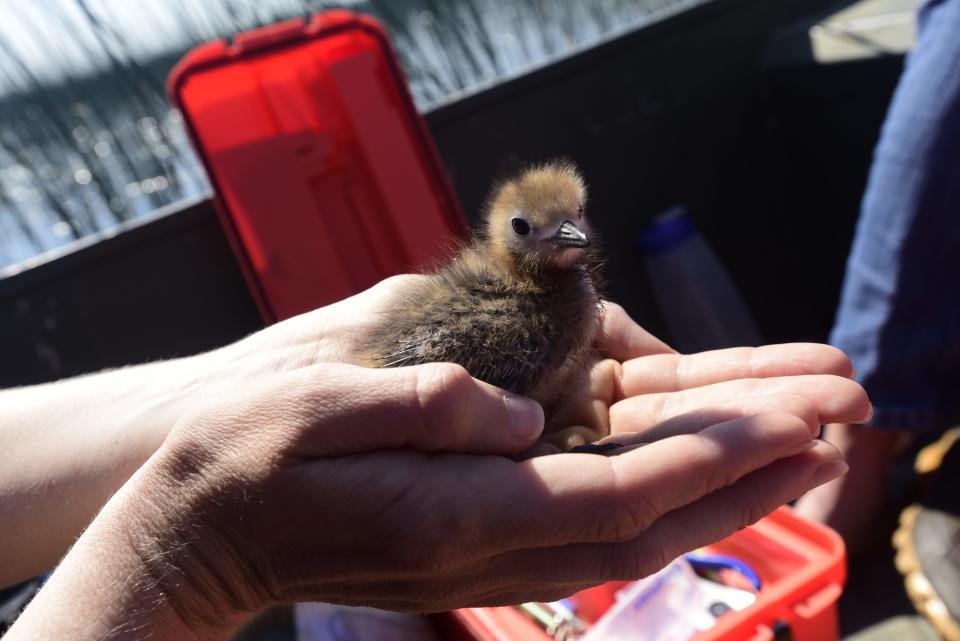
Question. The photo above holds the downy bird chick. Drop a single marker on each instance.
(517, 307)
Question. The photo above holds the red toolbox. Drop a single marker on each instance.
(325, 176)
(802, 565)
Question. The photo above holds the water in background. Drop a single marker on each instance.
(88, 139)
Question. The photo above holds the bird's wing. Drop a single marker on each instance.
(503, 339)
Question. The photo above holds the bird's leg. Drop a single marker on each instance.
(572, 436)
(582, 414)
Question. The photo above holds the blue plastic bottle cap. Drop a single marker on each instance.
(669, 230)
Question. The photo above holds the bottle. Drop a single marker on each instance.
(696, 297)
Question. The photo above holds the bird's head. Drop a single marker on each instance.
(536, 220)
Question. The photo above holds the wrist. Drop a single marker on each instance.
(107, 587)
(178, 537)
(69, 445)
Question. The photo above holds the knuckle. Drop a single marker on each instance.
(772, 418)
(438, 382)
(790, 423)
(803, 408)
(442, 391)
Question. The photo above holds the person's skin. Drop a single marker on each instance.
(67, 446)
(270, 475)
(334, 483)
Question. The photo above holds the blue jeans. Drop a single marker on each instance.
(899, 315)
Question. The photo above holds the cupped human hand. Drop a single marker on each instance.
(640, 386)
(636, 382)
(378, 488)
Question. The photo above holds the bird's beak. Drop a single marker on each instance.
(569, 235)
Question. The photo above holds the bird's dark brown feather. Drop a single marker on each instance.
(508, 333)
(512, 322)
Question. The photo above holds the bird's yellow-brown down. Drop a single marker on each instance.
(518, 306)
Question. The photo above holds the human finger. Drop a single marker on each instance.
(702, 522)
(584, 412)
(835, 398)
(697, 419)
(620, 337)
(624, 494)
(673, 372)
(343, 409)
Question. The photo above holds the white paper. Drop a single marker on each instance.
(667, 606)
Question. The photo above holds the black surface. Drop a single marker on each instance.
(169, 287)
(770, 162)
(874, 593)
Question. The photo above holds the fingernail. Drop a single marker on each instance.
(524, 417)
(828, 472)
(869, 414)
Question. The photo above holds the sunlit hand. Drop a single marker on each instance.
(646, 387)
(325, 335)
(636, 383)
(350, 485)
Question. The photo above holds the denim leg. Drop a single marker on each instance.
(899, 314)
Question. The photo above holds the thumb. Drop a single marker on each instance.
(431, 407)
(622, 339)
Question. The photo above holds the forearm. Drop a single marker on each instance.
(103, 588)
(67, 446)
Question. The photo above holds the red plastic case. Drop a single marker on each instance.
(802, 565)
(325, 176)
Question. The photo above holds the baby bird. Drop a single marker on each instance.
(517, 307)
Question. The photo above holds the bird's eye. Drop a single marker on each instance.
(520, 226)
(580, 210)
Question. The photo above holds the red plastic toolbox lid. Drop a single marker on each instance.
(325, 175)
